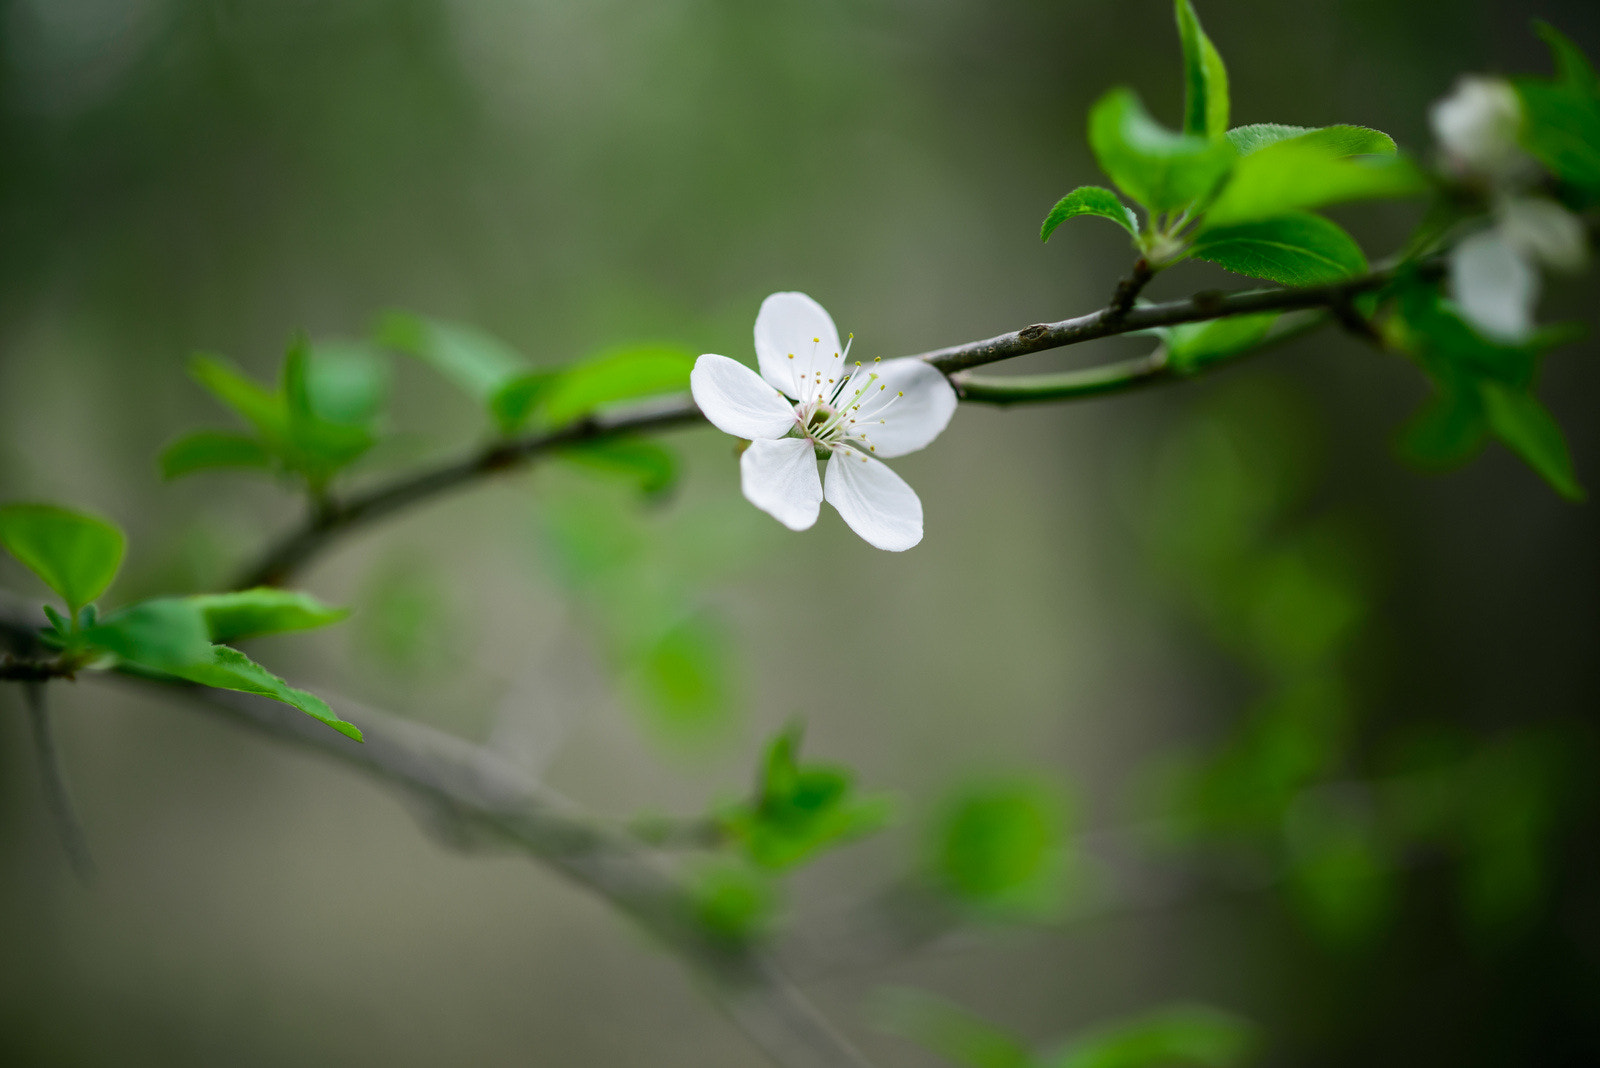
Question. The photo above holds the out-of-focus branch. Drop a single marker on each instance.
(480, 791)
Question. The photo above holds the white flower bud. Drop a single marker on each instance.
(1477, 127)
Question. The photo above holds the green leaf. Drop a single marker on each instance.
(1561, 129)
(285, 418)
(296, 393)
(207, 449)
(229, 669)
(1205, 79)
(1301, 173)
(1298, 249)
(1528, 429)
(518, 397)
(1176, 1037)
(315, 446)
(167, 635)
(799, 809)
(484, 367)
(345, 382)
(318, 448)
(77, 555)
(1190, 346)
(261, 407)
(1448, 430)
(1000, 847)
(1163, 170)
(732, 904)
(1090, 200)
(1339, 140)
(172, 636)
(949, 1030)
(652, 467)
(616, 375)
(1573, 69)
(230, 617)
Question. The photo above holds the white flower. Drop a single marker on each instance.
(1494, 274)
(1478, 125)
(810, 402)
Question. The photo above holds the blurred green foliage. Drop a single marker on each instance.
(799, 809)
(999, 847)
(1175, 1036)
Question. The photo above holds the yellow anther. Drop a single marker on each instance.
(901, 393)
(791, 355)
(818, 340)
(877, 359)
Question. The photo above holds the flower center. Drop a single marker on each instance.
(846, 408)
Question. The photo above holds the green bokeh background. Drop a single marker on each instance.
(181, 176)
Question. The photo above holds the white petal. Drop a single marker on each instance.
(780, 478)
(874, 500)
(1544, 231)
(794, 324)
(914, 405)
(1494, 286)
(737, 401)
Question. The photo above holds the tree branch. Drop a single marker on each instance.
(494, 798)
(337, 518)
(1148, 370)
(1107, 322)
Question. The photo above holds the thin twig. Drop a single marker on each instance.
(1129, 288)
(1105, 323)
(51, 776)
(338, 517)
(1155, 367)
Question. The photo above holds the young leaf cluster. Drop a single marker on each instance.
(318, 420)
(326, 412)
(799, 809)
(517, 395)
(78, 556)
(1244, 197)
(1247, 198)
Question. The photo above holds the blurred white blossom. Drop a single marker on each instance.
(1495, 273)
